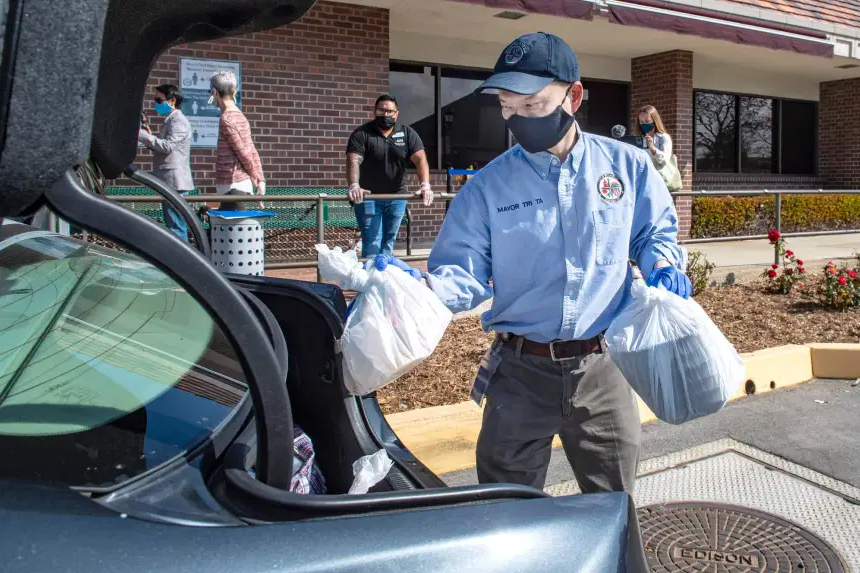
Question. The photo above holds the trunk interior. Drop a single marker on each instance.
(342, 427)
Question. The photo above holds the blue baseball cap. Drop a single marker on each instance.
(532, 62)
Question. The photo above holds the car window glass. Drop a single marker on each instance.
(108, 368)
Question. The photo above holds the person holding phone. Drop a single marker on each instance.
(656, 138)
(171, 153)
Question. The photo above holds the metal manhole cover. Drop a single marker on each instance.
(719, 538)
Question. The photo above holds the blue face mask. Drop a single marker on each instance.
(646, 127)
(163, 108)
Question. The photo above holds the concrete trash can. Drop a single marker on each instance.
(237, 241)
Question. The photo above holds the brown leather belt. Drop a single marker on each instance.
(557, 350)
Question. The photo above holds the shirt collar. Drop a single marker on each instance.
(543, 161)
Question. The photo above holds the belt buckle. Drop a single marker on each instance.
(552, 353)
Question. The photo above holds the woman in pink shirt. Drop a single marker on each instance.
(238, 170)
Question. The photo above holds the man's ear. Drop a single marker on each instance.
(577, 94)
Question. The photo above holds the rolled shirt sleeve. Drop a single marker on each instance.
(460, 264)
(654, 236)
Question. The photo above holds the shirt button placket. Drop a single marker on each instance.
(569, 306)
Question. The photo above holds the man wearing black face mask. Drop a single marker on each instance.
(376, 159)
(552, 223)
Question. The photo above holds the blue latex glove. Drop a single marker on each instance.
(382, 261)
(672, 280)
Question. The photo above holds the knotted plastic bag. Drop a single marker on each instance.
(369, 471)
(673, 355)
(395, 323)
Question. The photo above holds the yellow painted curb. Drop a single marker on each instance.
(444, 437)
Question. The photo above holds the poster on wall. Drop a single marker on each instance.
(194, 77)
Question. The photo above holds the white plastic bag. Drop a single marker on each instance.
(369, 471)
(396, 322)
(673, 355)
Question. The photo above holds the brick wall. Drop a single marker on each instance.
(838, 128)
(305, 87)
(665, 81)
(731, 182)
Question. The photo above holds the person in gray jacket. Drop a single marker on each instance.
(171, 152)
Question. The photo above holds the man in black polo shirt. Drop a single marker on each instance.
(376, 159)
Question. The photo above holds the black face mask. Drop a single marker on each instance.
(385, 121)
(537, 134)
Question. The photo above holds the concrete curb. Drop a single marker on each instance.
(444, 437)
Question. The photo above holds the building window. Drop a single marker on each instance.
(799, 132)
(748, 134)
(473, 129)
(716, 133)
(440, 103)
(414, 88)
(605, 104)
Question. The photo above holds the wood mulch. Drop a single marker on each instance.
(750, 319)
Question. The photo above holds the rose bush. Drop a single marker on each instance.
(840, 289)
(787, 277)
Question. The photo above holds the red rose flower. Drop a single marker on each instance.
(830, 263)
(831, 270)
(843, 281)
(773, 235)
(853, 275)
(789, 253)
(801, 285)
(771, 274)
(774, 267)
(801, 270)
(799, 263)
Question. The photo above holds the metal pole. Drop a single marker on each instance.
(320, 226)
(449, 188)
(84, 236)
(408, 231)
(52, 222)
(776, 260)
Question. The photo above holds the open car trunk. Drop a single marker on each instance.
(342, 427)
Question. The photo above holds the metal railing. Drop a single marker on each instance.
(778, 193)
(320, 200)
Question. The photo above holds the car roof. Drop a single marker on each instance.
(73, 76)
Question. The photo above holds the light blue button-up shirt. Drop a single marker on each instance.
(555, 238)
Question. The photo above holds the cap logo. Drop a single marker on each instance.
(515, 53)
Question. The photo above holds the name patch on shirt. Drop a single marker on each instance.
(610, 187)
(518, 206)
(399, 139)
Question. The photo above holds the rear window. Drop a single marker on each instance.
(108, 368)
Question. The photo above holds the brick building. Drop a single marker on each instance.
(755, 93)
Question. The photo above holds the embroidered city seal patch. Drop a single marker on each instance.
(610, 188)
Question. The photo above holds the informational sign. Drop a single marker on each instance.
(194, 76)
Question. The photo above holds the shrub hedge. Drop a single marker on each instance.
(730, 216)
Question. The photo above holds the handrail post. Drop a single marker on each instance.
(320, 226)
(776, 257)
(449, 188)
(408, 232)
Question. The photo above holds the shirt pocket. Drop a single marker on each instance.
(612, 242)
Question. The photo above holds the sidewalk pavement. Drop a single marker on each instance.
(744, 259)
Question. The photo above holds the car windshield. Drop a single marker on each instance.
(108, 368)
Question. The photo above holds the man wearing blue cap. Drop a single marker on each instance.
(554, 222)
